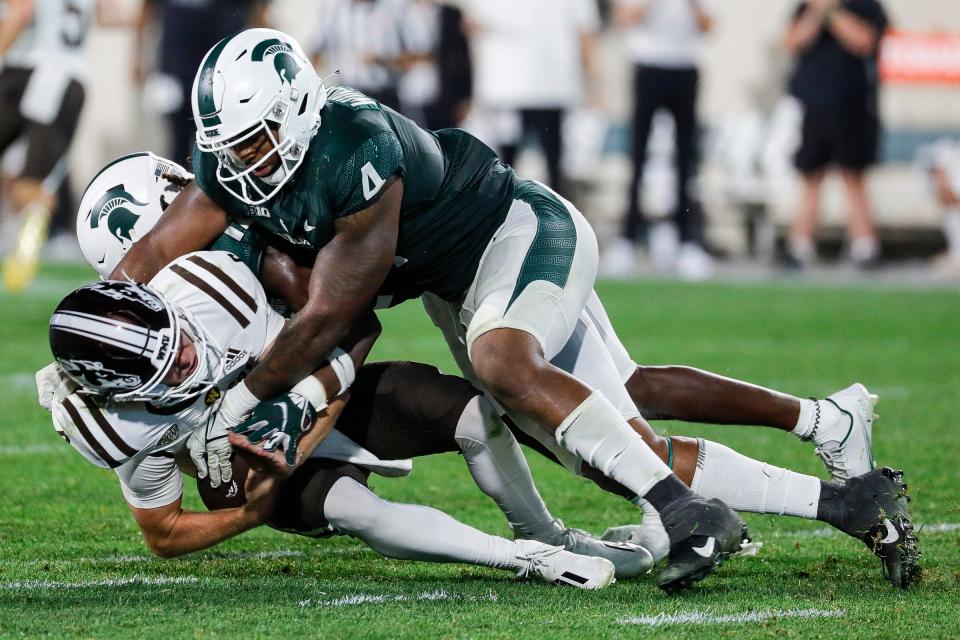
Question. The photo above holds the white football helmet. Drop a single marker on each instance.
(246, 83)
(122, 203)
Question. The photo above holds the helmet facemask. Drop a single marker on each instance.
(240, 179)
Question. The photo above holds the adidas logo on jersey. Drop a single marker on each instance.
(235, 357)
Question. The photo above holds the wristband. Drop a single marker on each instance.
(312, 389)
(238, 402)
(342, 365)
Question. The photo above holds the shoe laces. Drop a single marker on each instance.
(535, 560)
(833, 461)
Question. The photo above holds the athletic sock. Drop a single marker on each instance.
(830, 507)
(750, 485)
(600, 435)
(414, 532)
(500, 470)
(814, 416)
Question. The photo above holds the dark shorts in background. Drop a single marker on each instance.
(848, 140)
(46, 143)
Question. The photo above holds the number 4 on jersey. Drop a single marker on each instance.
(371, 180)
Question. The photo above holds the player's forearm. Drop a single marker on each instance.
(194, 531)
(854, 33)
(804, 30)
(190, 223)
(300, 350)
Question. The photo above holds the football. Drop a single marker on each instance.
(229, 494)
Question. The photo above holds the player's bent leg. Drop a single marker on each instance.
(500, 470)
(414, 532)
(840, 426)
(703, 533)
(408, 409)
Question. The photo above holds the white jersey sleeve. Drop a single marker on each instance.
(110, 434)
(150, 482)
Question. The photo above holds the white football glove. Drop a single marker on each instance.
(53, 386)
(208, 445)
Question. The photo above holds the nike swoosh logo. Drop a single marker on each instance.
(707, 549)
(308, 227)
(892, 534)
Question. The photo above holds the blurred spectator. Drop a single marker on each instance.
(533, 60)
(836, 82)
(941, 161)
(437, 83)
(187, 30)
(43, 56)
(664, 42)
(361, 40)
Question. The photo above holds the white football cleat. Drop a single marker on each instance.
(844, 443)
(629, 559)
(556, 565)
(649, 534)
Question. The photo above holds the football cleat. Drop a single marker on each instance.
(629, 559)
(873, 508)
(703, 535)
(845, 444)
(556, 565)
(649, 534)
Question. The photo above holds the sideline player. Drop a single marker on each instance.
(42, 47)
(150, 363)
(712, 469)
(372, 191)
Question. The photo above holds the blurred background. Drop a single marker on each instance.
(702, 139)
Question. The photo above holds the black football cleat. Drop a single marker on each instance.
(873, 508)
(703, 535)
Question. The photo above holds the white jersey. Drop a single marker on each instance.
(139, 440)
(56, 37)
(143, 443)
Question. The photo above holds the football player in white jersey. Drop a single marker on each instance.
(150, 363)
(43, 55)
(745, 484)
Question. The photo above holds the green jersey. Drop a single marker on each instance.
(456, 192)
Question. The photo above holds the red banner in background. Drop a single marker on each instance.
(920, 57)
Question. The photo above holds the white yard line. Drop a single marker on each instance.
(48, 585)
(707, 618)
(34, 449)
(384, 598)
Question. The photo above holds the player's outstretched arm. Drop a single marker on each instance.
(346, 276)
(191, 222)
(170, 531)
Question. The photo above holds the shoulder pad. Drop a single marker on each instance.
(101, 434)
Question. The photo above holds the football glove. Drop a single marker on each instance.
(208, 445)
(279, 423)
(53, 386)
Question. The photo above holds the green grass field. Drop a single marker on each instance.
(72, 561)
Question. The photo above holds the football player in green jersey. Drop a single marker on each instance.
(388, 204)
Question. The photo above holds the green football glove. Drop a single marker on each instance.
(279, 423)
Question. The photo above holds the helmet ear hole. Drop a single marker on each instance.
(303, 104)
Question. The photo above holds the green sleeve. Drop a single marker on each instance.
(363, 174)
